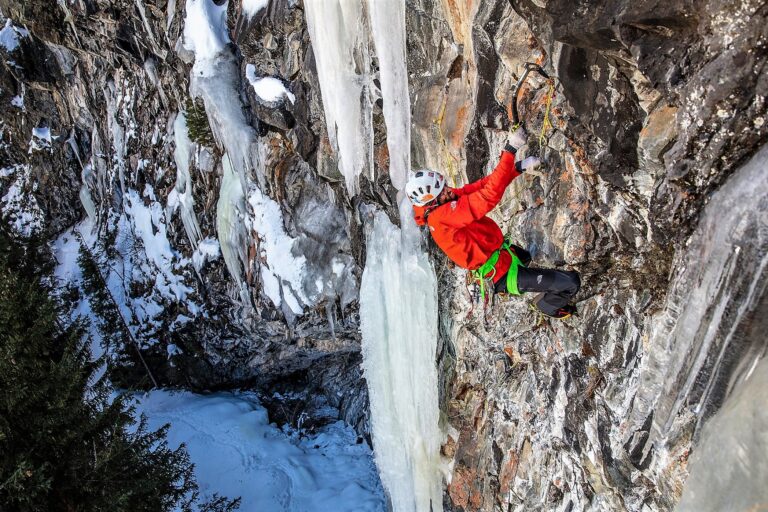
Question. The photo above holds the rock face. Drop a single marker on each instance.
(593, 413)
(233, 251)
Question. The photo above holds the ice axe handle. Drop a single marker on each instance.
(529, 66)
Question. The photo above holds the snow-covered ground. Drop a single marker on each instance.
(237, 452)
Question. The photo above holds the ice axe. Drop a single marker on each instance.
(529, 66)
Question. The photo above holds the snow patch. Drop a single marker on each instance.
(19, 205)
(148, 224)
(207, 250)
(41, 139)
(66, 250)
(277, 249)
(10, 35)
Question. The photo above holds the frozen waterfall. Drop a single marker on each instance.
(398, 312)
(398, 295)
(735, 442)
(700, 340)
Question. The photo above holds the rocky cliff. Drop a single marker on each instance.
(195, 170)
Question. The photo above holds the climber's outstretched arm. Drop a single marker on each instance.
(477, 199)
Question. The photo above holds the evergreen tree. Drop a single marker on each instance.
(67, 442)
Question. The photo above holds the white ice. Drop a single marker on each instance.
(398, 295)
(388, 29)
(181, 196)
(398, 314)
(230, 223)
(268, 88)
(237, 452)
(729, 468)
(215, 78)
(205, 30)
(339, 42)
(702, 319)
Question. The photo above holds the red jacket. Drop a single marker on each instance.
(461, 229)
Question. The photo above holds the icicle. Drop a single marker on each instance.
(398, 306)
(388, 28)
(339, 42)
(181, 196)
(230, 223)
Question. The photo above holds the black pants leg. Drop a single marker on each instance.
(525, 256)
(559, 286)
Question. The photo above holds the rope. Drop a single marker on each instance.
(439, 123)
(547, 124)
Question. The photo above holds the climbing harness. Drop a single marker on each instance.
(485, 275)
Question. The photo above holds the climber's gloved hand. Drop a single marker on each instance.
(517, 139)
(531, 162)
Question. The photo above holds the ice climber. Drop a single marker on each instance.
(458, 223)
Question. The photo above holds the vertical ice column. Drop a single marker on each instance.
(398, 313)
(398, 305)
(230, 223)
(181, 196)
(388, 28)
(339, 42)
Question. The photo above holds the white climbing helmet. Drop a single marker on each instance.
(424, 186)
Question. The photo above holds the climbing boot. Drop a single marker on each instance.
(564, 312)
(561, 313)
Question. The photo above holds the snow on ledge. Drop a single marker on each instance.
(252, 7)
(268, 89)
